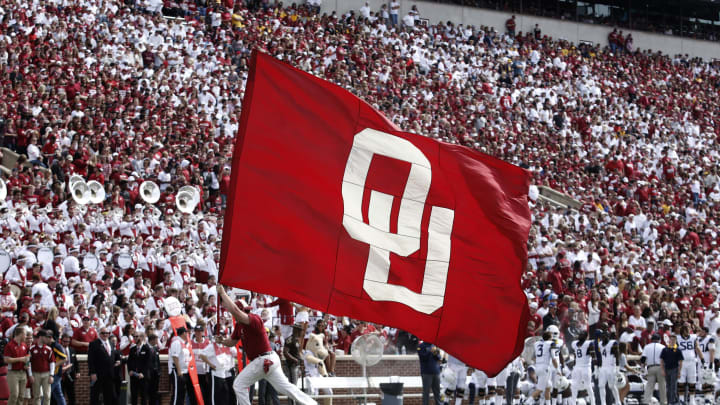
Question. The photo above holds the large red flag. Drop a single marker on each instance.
(333, 207)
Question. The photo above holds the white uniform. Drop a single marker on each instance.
(582, 372)
(223, 358)
(543, 363)
(501, 378)
(460, 370)
(482, 381)
(706, 344)
(608, 371)
(688, 374)
(556, 348)
(181, 350)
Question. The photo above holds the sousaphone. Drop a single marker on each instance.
(97, 192)
(149, 192)
(80, 192)
(186, 200)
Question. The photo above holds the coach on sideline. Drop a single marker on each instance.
(672, 360)
(651, 358)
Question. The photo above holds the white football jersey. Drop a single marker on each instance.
(706, 344)
(582, 358)
(687, 346)
(608, 358)
(544, 352)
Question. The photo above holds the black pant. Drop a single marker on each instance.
(138, 388)
(267, 394)
(512, 383)
(68, 387)
(291, 371)
(431, 381)
(205, 386)
(106, 388)
(152, 386)
(182, 387)
(222, 391)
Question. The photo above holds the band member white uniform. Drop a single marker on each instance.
(545, 362)
(687, 343)
(608, 371)
(460, 370)
(221, 360)
(17, 274)
(581, 377)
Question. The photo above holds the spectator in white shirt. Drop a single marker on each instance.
(637, 321)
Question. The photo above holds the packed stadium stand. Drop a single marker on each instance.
(123, 92)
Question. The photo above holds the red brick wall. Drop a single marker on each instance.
(407, 365)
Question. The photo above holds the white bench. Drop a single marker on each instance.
(359, 383)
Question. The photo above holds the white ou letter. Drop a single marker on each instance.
(406, 241)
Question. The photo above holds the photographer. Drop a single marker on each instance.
(291, 353)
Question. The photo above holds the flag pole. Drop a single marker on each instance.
(217, 312)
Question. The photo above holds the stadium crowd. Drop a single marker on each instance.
(118, 93)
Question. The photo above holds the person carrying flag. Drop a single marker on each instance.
(264, 363)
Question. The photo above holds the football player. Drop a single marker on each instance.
(501, 381)
(460, 370)
(556, 394)
(545, 362)
(581, 378)
(706, 343)
(482, 385)
(687, 343)
(609, 361)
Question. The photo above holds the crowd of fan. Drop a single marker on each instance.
(117, 93)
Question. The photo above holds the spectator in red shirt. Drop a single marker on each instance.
(362, 328)
(646, 334)
(42, 360)
(83, 335)
(535, 318)
(286, 310)
(510, 25)
(556, 280)
(16, 355)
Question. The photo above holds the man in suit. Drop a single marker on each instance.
(139, 369)
(101, 367)
(70, 369)
(153, 380)
(118, 364)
